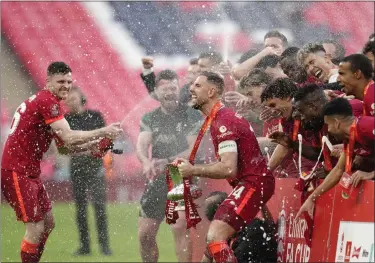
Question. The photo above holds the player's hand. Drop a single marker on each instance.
(320, 173)
(270, 51)
(113, 130)
(308, 206)
(269, 114)
(224, 68)
(149, 170)
(337, 150)
(184, 167)
(148, 62)
(359, 176)
(232, 97)
(281, 138)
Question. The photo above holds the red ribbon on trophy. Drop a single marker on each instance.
(192, 216)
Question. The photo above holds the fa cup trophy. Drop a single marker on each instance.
(177, 192)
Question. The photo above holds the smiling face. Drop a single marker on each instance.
(347, 78)
(280, 106)
(60, 85)
(309, 114)
(318, 65)
(167, 92)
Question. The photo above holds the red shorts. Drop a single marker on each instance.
(245, 201)
(26, 195)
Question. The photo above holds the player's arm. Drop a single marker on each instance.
(72, 137)
(225, 168)
(277, 156)
(78, 149)
(331, 180)
(242, 69)
(143, 146)
(309, 152)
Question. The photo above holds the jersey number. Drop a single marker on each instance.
(237, 193)
(17, 115)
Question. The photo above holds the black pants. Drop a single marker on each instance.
(85, 182)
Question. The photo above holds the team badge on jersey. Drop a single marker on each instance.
(55, 110)
(222, 129)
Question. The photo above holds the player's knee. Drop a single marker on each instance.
(34, 230)
(219, 231)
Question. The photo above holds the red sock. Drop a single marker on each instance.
(42, 243)
(221, 252)
(29, 252)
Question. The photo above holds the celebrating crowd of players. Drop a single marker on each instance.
(267, 116)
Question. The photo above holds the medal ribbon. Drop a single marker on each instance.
(192, 216)
(349, 148)
(364, 94)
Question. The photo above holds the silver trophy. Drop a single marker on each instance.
(177, 192)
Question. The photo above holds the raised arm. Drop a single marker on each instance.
(72, 137)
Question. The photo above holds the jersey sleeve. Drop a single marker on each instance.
(50, 109)
(145, 124)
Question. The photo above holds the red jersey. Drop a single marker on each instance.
(368, 100)
(289, 165)
(30, 134)
(357, 107)
(228, 126)
(365, 136)
(272, 126)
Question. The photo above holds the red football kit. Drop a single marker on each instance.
(254, 184)
(29, 138)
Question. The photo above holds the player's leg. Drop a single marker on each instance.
(182, 239)
(80, 195)
(15, 187)
(147, 231)
(217, 246)
(97, 185)
(152, 213)
(49, 222)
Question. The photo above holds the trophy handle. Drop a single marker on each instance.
(175, 174)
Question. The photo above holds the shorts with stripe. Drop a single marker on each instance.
(245, 201)
(26, 195)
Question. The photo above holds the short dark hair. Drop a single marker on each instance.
(290, 51)
(371, 36)
(305, 92)
(340, 50)
(281, 88)
(338, 106)
(255, 77)
(215, 79)
(213, 56)
(290, 67)
(278, 35)
(360, 62)
(212, 207)
(249, 54)
(193, 61)
(166, 74)
(369, 47)
(268, 61)
(307, 49)
(58, 67)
